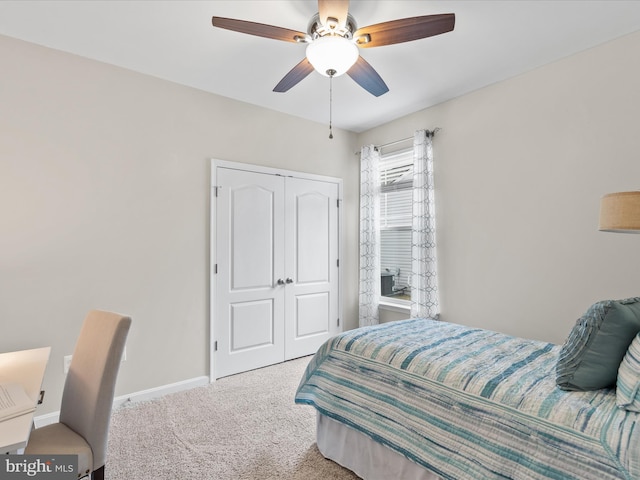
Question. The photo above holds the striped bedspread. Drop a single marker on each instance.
(470, 404)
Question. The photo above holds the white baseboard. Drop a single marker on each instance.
(142, 396)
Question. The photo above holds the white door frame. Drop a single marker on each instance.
(215, 163)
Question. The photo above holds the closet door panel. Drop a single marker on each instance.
(251, 325)
(252, 219)
(312, 242)
(312, 314)
(249, 303)
(311, 263)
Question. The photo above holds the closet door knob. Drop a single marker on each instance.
(289, 280)
(280, 281)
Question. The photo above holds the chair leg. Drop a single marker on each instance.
(98, 474)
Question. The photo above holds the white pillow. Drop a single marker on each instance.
(628, 383)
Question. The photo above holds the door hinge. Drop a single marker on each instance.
(337, 262)
(215, 190)
(338, 202)
(338, 322)
(215, 346)
(215, 268)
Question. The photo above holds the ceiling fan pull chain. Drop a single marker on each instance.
(331, 73)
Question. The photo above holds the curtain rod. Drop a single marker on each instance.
(432, 132)
(378, 147)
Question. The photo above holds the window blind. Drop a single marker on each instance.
(396, 195)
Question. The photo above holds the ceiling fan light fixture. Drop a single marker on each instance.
(332, 53)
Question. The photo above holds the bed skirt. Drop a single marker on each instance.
(368, 459)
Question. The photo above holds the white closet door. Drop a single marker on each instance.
(249, 303)
(311, 256)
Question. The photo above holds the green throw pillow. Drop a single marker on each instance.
(595, 347)
(628, 385)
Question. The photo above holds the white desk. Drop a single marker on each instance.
(25, 367)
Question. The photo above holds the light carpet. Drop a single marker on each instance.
(246, 426)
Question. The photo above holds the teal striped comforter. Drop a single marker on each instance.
(472, 404)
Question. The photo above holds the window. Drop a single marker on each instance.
(396, 194)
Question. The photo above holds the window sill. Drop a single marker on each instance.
(394, 307)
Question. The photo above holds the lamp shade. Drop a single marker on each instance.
(332, 52)
(620, 212)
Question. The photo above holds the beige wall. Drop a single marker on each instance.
(104, 200)
(520, 167)
(104, 203)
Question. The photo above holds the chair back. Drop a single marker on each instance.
(88, 392)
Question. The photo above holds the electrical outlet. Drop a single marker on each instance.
(67, 363)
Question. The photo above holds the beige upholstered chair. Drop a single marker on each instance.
(88, 396)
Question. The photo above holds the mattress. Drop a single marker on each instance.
(470, 403)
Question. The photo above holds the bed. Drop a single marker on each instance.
(425, 399)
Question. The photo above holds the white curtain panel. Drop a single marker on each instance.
(424, 285)
(369, 235)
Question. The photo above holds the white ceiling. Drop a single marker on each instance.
(174, 40)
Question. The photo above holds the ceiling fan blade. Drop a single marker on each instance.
(259, 29)
(297, 73)
(338, 9)
(365, 76)
(404, 30)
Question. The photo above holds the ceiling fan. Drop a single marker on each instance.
(333, 42)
